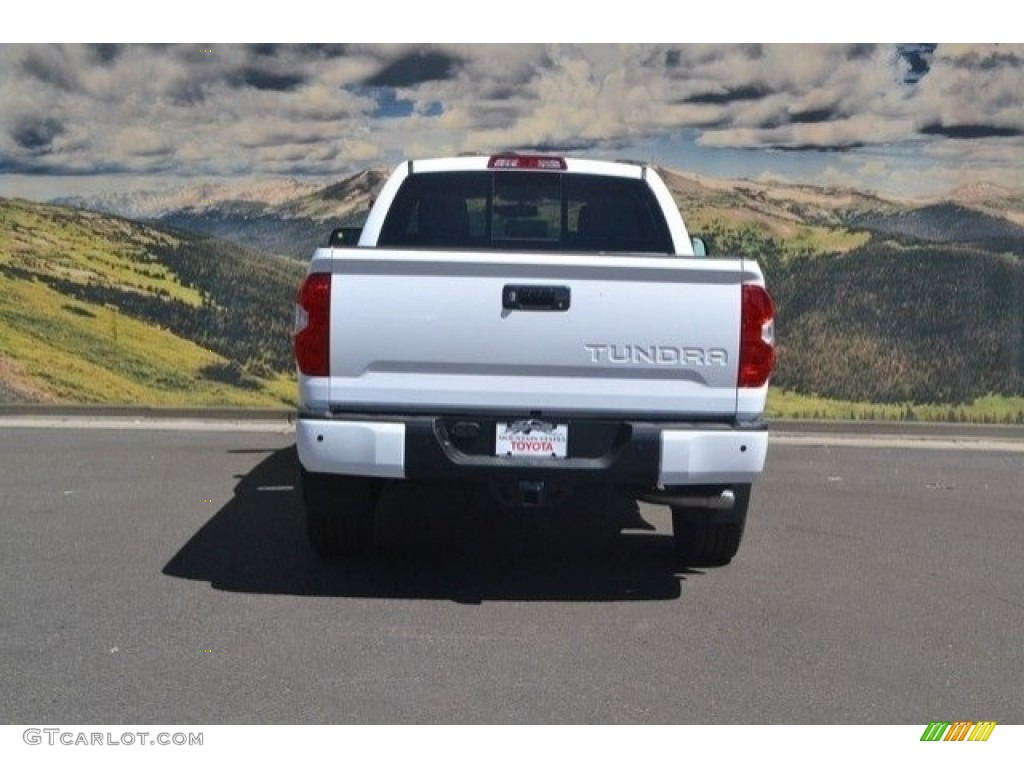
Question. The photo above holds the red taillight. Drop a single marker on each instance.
(757, 337)
(313, 325)
(527, 163)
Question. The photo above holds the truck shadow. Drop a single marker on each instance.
(454, 543)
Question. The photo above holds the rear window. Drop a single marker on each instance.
(526, 211)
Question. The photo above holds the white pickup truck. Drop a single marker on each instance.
(534, 323)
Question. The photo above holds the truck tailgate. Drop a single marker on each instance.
(506, 331)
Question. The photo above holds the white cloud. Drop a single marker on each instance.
(234, 110)
(975, 85)
(141, 141)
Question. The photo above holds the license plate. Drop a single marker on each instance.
(532, 437)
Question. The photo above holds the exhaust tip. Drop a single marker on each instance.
(677, 496)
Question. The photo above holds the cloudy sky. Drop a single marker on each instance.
(909, 120)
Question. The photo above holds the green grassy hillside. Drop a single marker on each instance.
(888, 323)
(990, 409)
(870, 327)
(98, 309)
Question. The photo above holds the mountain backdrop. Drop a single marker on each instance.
(186, 295)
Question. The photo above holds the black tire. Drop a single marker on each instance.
(707, 538)
(340, 513)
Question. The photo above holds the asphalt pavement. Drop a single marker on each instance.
(160, 574)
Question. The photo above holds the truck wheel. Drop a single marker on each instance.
(707, 539)
(340, 512)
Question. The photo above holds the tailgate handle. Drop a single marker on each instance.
(543, 298)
